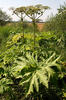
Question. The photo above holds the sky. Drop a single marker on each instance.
(53, 4)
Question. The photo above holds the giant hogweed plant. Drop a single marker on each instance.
(34, 72)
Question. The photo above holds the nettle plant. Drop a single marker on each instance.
(33, 72)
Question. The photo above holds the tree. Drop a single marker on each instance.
(20, 12)
(4, 17)
(62, 8)
(62, 17)
(57, 25)
(34, 13)
(58, 22)
(62, 25)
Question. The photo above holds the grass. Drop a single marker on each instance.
(4, 31)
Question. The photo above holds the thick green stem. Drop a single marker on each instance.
(22, 27)
(34, 32)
